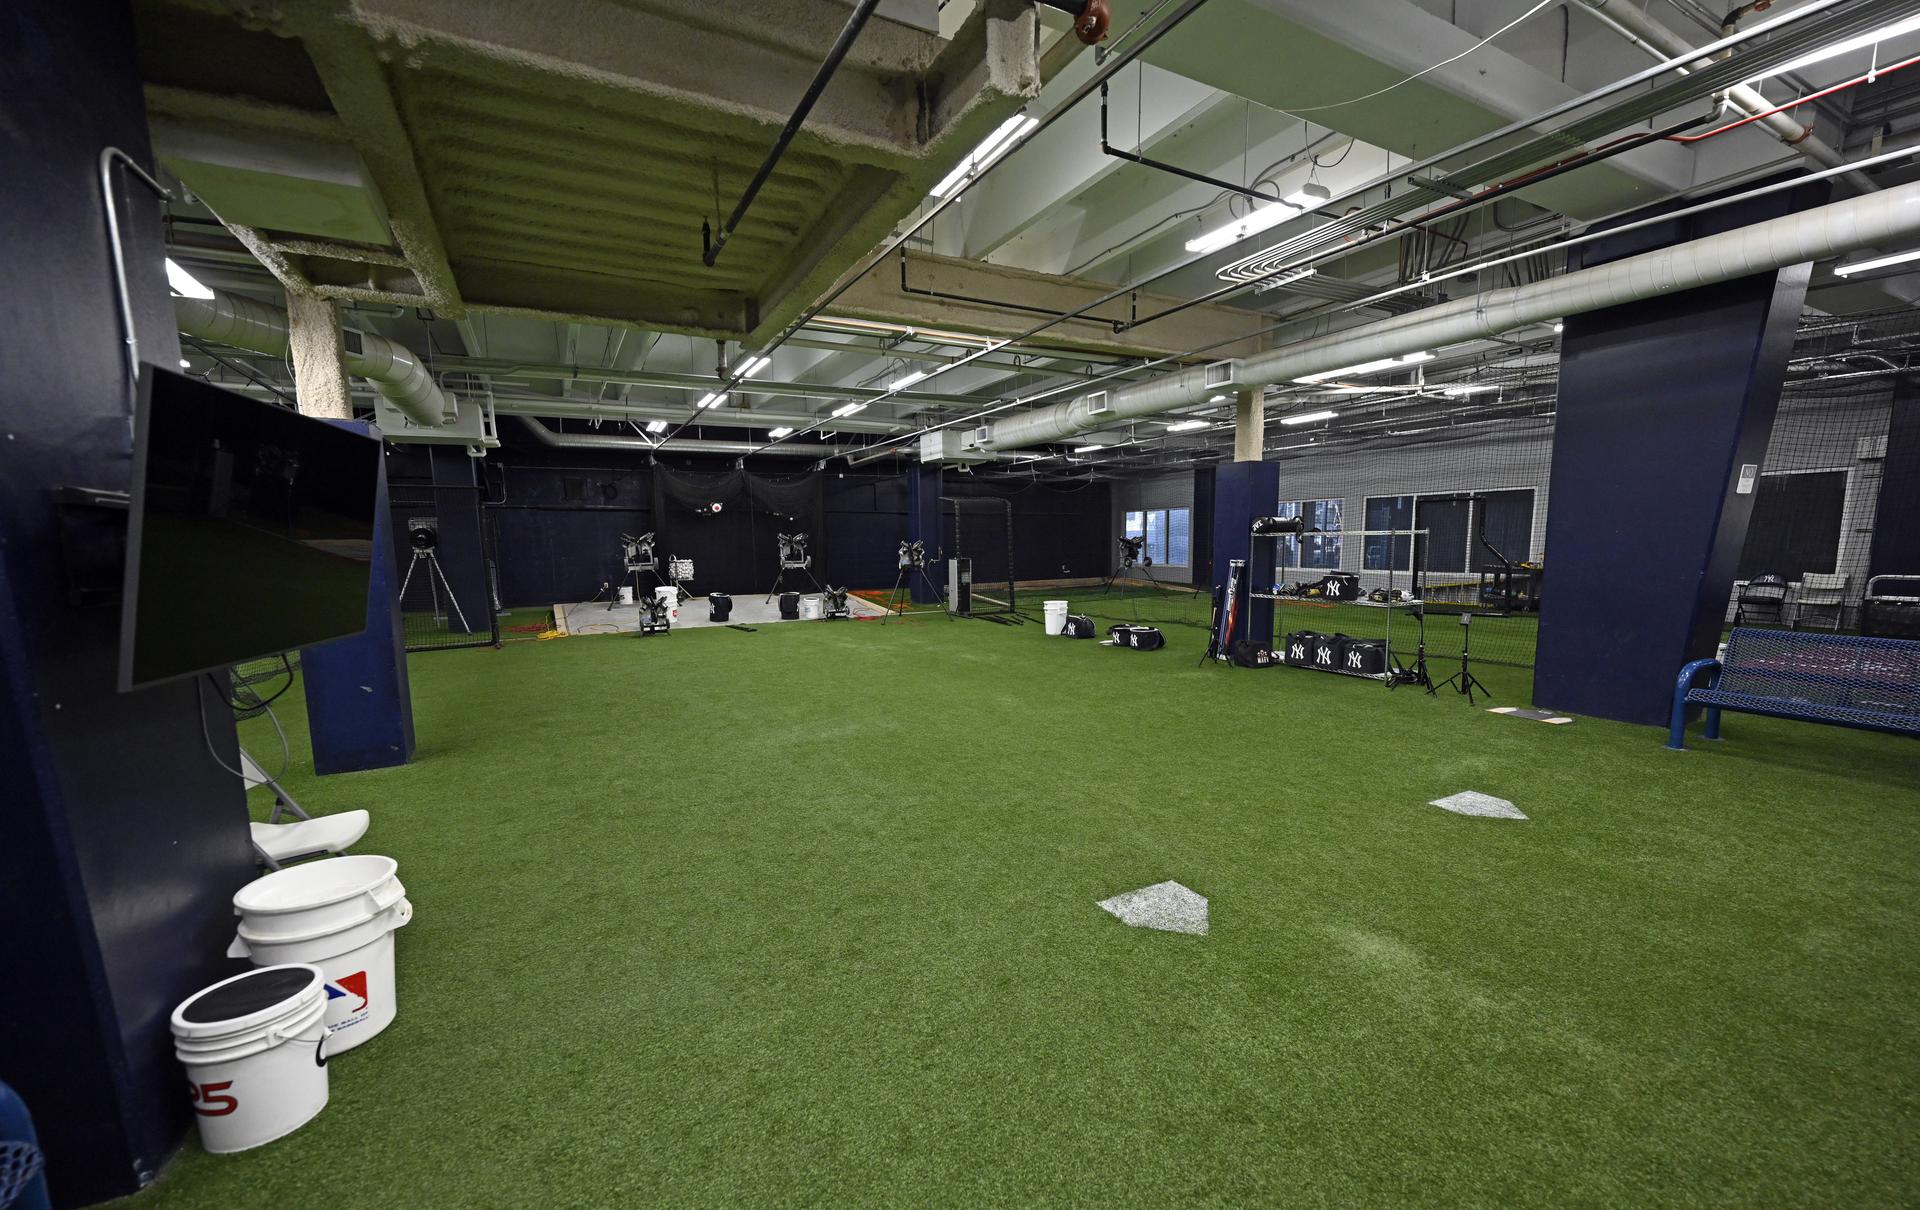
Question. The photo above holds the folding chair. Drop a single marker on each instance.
(276, 843)
(1819, 593)
(1762, 601)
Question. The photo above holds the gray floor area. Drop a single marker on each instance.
(593, 617)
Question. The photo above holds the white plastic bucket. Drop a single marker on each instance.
(1056, 616)
(318, 897)
(669, 596)
(348, 936)
(811, 608)
(626, 594)
(255, 1050)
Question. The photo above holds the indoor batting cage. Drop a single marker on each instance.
(979, 575)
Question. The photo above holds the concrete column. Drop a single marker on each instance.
(1249, 425)
(319, 375)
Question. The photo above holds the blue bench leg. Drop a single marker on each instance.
(1677, 732)
(1713, 722)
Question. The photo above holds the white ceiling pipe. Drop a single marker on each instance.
(677, 445)
(1822, 233)
(555, 408)
(1646, 32)
(231, 319)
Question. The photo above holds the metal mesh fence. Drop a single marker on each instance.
(445, 556)
(1468, 461)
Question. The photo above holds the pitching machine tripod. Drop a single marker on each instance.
(794, 557)
(1132, 551)
(913, 562)
(638, 558)
(1462, 681)
(423, 535)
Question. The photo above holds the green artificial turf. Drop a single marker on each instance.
(807, 916)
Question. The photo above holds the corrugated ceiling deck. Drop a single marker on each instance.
(605, 182)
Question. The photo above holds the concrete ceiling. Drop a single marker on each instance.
(502, 183)
(559, 159)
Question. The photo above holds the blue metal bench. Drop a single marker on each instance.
(1843, 679)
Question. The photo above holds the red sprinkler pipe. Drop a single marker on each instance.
(1812, 96)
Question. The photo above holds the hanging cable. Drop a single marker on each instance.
(1380, 92)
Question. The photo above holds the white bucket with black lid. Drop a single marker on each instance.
(254, 1047)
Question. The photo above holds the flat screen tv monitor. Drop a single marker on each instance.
(250, 530)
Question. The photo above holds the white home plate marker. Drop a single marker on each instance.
(1166, 906)
(1472, 802)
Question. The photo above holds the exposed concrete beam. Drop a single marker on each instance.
(878, 296)
(319, 374)
(1298, 55)
(1249, 425)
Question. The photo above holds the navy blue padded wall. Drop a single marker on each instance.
(1896, 534)
(121, 840)
(1241, 492)
(1662, 403)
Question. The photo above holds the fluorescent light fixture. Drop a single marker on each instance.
(1187, 426)
(1220, 398)
(782, 431)
(848, 409)
(1309, 417)
(1559, 325)
(1306, 197)
(656, 426)
(185, 364)
(1878, 262)
(712, 399)
(184, 283)
(1368, 367)
(1907, 25)
(1460, 390)
(753, 366)
(990, 149)
(905, 381)
(1088, 449)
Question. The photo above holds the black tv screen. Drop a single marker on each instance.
(251, 530)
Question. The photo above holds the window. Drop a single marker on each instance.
(1179, 536)
(1157, 535)
(1385, 553)
(1314, 549)
(1168, 531)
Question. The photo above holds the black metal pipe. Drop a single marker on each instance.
(841, 45)
(1145, 162)
(995, 303)
(1490, 194)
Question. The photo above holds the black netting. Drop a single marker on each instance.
(735, 547)
(444, 555)
(979, 530)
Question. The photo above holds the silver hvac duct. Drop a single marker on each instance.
(395, 372)
(1812, 235)
(1646, 32)
(569, 409)
(678, 445)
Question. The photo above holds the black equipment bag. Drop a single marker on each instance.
(789, 605)
(1365, 656)
(1246, 653)
(1140, 638)
(1340, 586)
(719, 607)
(1299, 649)
(1078, 626)
(1328, 652)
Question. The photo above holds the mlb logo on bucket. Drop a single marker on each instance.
(347, 987)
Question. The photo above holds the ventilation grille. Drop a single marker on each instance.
(1219, 374)
(1097, 404)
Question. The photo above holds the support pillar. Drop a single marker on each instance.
(319, 374)
(1241, 492)
(1249, 425)
(1896, 539)
(925, 483)
(1665, 410)
(359, 703)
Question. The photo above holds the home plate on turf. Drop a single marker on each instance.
(1472, 802)
(1538, 716)
(1166, 906)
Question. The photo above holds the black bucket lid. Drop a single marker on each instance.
(247, 995)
